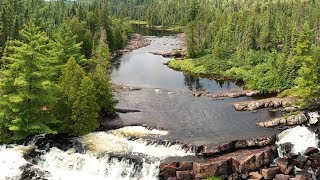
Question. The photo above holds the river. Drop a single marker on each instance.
(169, 112)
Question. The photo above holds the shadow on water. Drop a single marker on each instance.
(142, 68)
(149, 31)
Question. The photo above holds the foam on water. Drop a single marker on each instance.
(108, 155)
(10, 161)
(301, 138)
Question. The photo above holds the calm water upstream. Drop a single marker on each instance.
(143, 69)
(165, 102)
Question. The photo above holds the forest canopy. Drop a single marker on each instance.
(272, 45)
(54, 63)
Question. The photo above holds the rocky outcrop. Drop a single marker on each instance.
(239, 162)
(121, 88)
(229, 94)
(136, 41)
(179, 53)
(213, 149)
(292, 120)
(264, 103)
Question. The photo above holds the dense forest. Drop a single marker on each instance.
(53, 76)
(270, 44)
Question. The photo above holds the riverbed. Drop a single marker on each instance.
(165, 100)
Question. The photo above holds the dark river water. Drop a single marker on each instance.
(164, 101)
(143, 69)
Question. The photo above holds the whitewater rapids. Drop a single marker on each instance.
(107, 155)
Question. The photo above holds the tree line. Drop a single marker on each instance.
(54, 61)
(270, 44)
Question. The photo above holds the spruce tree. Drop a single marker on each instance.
(66, 46)
(101, 80)
(28, 94)
(70, 81)
(85, 109)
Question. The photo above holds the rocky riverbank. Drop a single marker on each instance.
(136, 41)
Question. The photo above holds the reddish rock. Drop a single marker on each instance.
(311, 150)
(283, 164)
(215, 167)
(289, 170)
(185, 166)
(255, 175)
(304, 175)
(270, 173)
(282, 177)
(300, 161)
(185, 175)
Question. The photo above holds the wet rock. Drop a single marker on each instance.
(311, 150)
(136, 41)
(185, 175)
(283, 164)
(29, 172)
(300, 161)
(263, 103)
(290, 121)
(315, 160)
(286, 148)
(282, 177)
(180, 53)
(255, 175)
(211, 149)
(270, 173)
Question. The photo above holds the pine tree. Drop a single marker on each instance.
(85, 109)
(28, 94)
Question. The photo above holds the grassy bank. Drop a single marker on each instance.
(259, 70)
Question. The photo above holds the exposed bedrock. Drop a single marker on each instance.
(229, 94)
(266, 103)
(311, 118)
(241, 161)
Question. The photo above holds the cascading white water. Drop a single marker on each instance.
(109, 155)
(300, 137)
(10, 161)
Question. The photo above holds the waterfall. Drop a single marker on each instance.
(300, 138)
(107, 155)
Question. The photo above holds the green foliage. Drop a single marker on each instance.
(101, 80)
(28, 94)
(85, 109)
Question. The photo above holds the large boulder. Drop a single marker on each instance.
(270, 173)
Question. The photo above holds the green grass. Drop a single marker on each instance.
(207, 65)
(138, 22)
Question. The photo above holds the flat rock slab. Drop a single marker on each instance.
(236, 162)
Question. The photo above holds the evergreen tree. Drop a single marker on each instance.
(85, 109)
(101, 80)
(66, 47)
(70, 81)
(28, 94)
